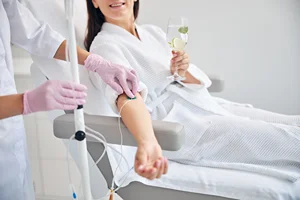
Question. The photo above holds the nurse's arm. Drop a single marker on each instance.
(61, 53)
(28, 33)
(11, 105)
(35, 37)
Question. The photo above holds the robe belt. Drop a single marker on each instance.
(158, 101)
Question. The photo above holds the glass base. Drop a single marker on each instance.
(176, 77)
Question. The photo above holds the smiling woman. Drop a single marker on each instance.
(149, 161)
(219, 133)
(113, 11)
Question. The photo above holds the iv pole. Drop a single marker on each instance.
(78, 113)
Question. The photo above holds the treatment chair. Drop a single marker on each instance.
(196, 182)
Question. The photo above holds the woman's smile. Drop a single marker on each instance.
(117, 5)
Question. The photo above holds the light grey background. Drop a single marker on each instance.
(253, 44)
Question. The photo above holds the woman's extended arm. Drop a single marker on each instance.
(149, 161)
(135, 116)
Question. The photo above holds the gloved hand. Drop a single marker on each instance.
(54, 95)
(116, 76)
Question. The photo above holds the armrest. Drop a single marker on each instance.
(217, 83)
(170, 135)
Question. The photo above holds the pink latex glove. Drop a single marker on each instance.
(54, 95)
(116, 76)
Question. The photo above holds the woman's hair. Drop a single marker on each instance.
(96, 19)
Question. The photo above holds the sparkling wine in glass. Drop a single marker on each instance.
(177, 36)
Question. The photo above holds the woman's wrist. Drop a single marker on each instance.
(191, 79)
(147, 141)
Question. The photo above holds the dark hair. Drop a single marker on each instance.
(96, 19)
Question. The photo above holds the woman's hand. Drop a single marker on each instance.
(181, 61)
(149, 162)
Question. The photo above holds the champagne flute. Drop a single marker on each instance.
(177, 37)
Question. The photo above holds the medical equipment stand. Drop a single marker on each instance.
(78, 113)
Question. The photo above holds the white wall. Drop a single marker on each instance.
(253, 44)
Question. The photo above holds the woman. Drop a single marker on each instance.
(17, 25)
(215, 135)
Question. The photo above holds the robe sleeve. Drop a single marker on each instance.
(205, 82)
(114, 54)
(200, 75)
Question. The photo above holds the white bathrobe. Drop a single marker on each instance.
(215, 137)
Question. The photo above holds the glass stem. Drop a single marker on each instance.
(176, 70)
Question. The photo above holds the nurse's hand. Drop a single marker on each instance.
(120, 78)
(180, 60)
(54, 95)
(149, 162)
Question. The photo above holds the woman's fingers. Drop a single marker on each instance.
(160, 168)
(166, 166)
(180, 58)
(155, 170)
(149, 173)
(152, 173)
(182, 62)
(177, 59)
(140, 160)
(184, 66)
(176, 53)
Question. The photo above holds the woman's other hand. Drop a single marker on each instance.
(180, 60)
(149, 162)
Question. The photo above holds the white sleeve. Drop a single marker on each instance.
(200, 75)
(114, 54)
(28, 33)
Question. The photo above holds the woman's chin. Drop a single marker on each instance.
(118, 17)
